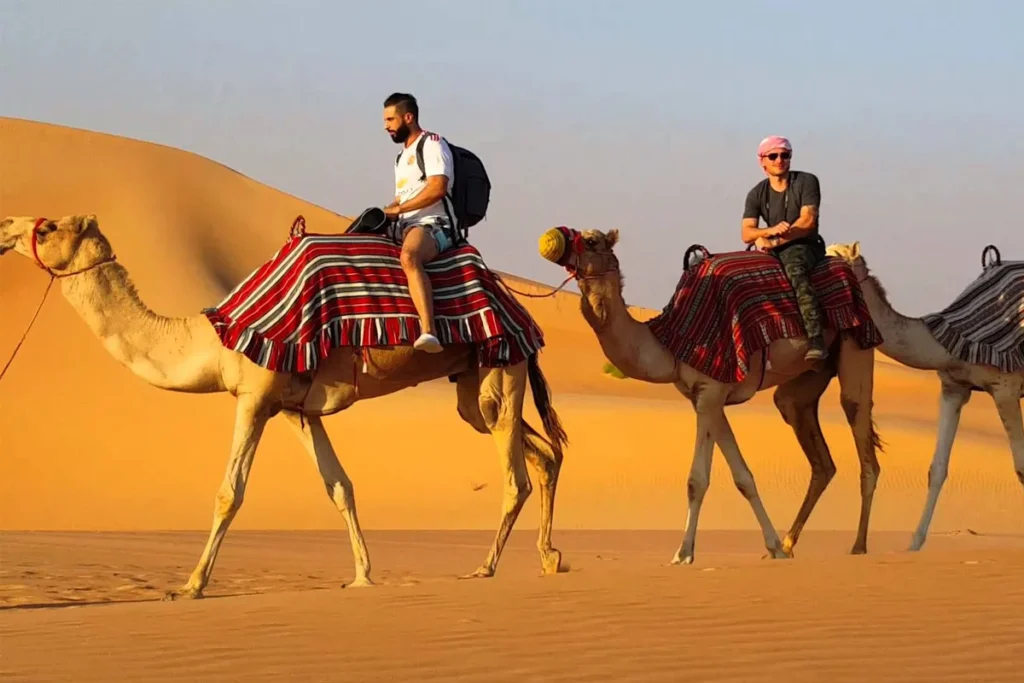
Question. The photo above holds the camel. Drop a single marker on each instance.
(909, 341)
(186, 355)
(635, 351)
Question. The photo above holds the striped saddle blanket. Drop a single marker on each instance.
(731, 305)
(319, 292)
(985, 324)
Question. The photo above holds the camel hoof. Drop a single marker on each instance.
(859, 551)
(359, 582)
(184, 593)
(481, 573)
(682, 560)
(551, 562)
(777, 554)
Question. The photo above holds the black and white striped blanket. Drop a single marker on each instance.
(985, 324)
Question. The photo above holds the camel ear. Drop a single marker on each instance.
(612, 237)
(855, 250)
(83, 223)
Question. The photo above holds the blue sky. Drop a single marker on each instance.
(642, 116)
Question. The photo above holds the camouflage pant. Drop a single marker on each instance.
(797, 261)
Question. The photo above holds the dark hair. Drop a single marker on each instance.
(403, 103)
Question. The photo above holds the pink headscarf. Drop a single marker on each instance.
(773, 142)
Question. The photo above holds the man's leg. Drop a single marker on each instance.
(797, 261)
(419, 248)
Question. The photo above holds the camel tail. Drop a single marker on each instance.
(876, 438)
(542, 400)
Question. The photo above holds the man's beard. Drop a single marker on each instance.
(400, 135)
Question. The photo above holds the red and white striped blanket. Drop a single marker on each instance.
(732, 305)
(319, 292)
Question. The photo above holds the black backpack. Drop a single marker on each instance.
(472, 188)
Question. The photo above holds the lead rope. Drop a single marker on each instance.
(29, 328)
(53, 276)
(534, 296)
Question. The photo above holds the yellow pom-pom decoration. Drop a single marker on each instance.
(552, 245)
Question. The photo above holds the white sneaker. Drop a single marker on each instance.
(428, 343)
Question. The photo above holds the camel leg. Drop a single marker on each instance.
(797, 401)
(501, 405)
(546, 463)
(951, 403)
(339, 487)
(696, 487)
(250, 420)
(856, 382)
(744, 480)
(1007, 399)
(540, 456)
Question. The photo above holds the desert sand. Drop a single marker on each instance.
(107, 485)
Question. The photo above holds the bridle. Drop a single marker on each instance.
(53, 276)
(573, 269)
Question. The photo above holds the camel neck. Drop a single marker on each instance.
(906, 340)
(627, 343)
(165, 352)
(882, 312)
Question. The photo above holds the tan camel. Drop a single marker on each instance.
(910, 342)
(185, 354)
(637, 353)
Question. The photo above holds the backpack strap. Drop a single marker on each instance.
(446, 201)
(419, 156)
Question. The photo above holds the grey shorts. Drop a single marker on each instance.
(438, 226)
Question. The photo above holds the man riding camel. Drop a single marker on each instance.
(788, 202)
(422, 208)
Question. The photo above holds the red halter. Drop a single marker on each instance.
(39, 261)
(35, 246)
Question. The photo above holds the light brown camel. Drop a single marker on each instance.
(637, 353)
(910, 342)
(185, 354)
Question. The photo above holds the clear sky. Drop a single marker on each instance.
(642, 116)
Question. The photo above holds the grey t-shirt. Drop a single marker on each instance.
(773, 207)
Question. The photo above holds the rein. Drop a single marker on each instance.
(53, 276)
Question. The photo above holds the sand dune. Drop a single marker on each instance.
(96, 467)
(951, 613)
(88, 446)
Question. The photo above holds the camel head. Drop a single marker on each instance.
(587, 254)
(62, 247)
(851, 254)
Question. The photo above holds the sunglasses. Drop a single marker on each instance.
(775, 155)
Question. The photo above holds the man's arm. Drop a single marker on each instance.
(749, 231)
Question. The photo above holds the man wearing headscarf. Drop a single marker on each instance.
(788, 202)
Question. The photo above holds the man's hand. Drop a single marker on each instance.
(778, 230)
(768, 243)
(392, 210)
